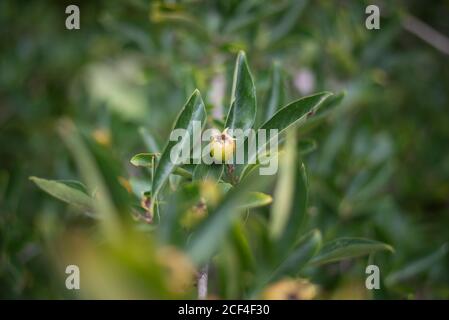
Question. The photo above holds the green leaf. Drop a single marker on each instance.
(144, 159)
(298, 211)
(288, 20)
(208, 171)
(325, 112)
(255, 200)
(296, 113)
(241, 245)
(305, 249)
(73, 184)
(345, 248)
(242, 112)
(182, 172)
(193, 110)
(275, 96)
(72, 192)
(211, 233)
(97, 170)
(418, 266)
(284, 192)
(249, 18)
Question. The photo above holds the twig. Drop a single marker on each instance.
(202, 282)
(425, 32)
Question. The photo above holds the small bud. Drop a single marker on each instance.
(222, 147)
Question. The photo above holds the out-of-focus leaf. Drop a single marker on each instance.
(247, 18)
(240, 242)
(288, 20)
(72, 192)
(256, 199)
(303, 251)
(275, 97)
(363, 191)
(284, 192)
(193, 110)
(298, 211)
(306, 146)
(242, 112)
(417, 267)
(345, 248)
(228, 271)
(115, 84)
(89, 169)
(333, 144)
(206, 239)
(133, 268)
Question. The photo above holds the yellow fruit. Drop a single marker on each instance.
(222, 147)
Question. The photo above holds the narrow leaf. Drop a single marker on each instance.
(418, 266)
(242, 112)
(345, 248)
(96, 179)
(298, 211)
(144, 159)
(304, 250)
(325, 112)
(275, 97)
(255, 200)
(193, 110)
(296, 113)
(72, 192)
(306, 146)
(284, 192)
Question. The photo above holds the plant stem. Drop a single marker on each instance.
(202, 282)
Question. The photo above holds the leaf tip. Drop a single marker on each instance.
(389, 248)
(241, 54)
(327, 94)
(134, 162)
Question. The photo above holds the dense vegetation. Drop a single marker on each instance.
(372, 163)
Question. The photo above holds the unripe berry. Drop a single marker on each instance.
(222, 147)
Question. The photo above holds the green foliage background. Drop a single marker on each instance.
(380, 169)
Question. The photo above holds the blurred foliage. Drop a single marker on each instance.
(377, 164)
